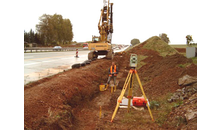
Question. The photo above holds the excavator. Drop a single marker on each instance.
(101, 45)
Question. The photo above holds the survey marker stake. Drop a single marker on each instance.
(100, 112)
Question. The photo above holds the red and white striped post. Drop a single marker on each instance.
(77, 53)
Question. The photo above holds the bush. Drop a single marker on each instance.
(154, 104)
(164, 37)
(135, 41)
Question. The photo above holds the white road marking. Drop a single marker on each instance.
(28, 56)
(32, 63)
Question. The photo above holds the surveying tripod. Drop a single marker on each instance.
(129, 82)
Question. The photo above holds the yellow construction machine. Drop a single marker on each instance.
(101, 45)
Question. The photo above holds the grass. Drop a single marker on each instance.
(131, 47)
(181, 45)
(180, 120)
(162, 107)
(194, 59)
(183, 65)
(140, 63)
(154, 104)
(156, 44)
(132, 117)
(128, 118)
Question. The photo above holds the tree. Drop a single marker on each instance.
(55, 29)
(31, 36)
(37, 38)
(164, 37)
(26, 37)
(67, 31)
(135, 41)
(44, 28)
(188, 39)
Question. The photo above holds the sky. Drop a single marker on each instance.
(131, 18)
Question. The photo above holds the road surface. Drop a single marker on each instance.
(44, 64)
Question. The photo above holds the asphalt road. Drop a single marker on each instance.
(40, 65)
(44, 64)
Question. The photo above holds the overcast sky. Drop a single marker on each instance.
(131, 18)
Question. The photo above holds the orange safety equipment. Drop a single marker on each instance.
(139, 101)
(114, 71)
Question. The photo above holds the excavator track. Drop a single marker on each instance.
(92, 55)
(109, 55)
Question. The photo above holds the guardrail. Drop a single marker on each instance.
(36, 49)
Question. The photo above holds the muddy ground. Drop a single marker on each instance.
(72, 100)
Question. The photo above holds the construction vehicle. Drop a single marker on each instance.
(101, 45)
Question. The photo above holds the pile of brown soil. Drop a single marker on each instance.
(163, 66)
(163, 73)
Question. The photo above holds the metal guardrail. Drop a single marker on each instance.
(36, 49)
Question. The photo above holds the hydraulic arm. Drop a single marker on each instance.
(101, 45)
(105, 24)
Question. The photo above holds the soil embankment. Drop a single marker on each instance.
(71, 100)
(46, 100)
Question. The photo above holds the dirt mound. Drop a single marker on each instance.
(157, 65)
(163, 73)
(157, 44)
(166, 82)
(162, 66)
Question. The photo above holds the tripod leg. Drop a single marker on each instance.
(122, 94)
(144, 95)
(126, 84)
(130, 91)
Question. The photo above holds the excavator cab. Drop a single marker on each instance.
(95, 39)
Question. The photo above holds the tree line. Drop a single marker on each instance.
(32, 37)
(51, 30)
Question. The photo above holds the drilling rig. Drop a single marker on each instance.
(101, 45)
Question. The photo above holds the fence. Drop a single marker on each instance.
(40, 49)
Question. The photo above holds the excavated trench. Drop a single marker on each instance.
(50, 101)
(72, 100)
